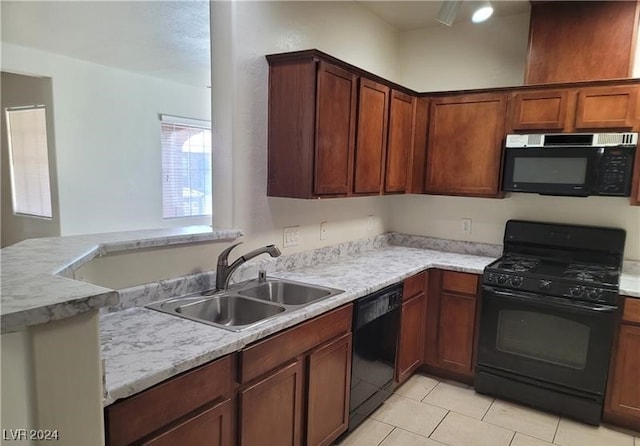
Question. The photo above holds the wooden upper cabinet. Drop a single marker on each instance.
(334, 129)
(399, 148)
(573, 41)
(465, 145)
(568, 109)
(607, 107)
(335, 118)
(373, 102)
(311, 131)
(417, 163)
(538, 110)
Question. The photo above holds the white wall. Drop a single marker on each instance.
(466, 55)
(107, 135)
(242, 33)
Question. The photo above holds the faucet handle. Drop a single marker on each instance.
(223, 258)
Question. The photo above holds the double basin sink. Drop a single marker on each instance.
(247, 304)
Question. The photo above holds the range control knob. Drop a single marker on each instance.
(593, 294)
(516, 281)
(576, 291)
(545, 284)
(502, 279)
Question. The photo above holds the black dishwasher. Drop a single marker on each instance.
(376, 320)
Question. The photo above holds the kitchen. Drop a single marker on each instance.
(363, 40)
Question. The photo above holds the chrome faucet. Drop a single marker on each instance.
(224, 270)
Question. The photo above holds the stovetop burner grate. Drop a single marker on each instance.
(587, 273)
(518, 264)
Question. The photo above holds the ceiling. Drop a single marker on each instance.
(166, 39)
(170, 38)
(409, 15)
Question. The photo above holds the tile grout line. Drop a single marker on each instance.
(490, 406)
(513, 437)
(439, 423)
(387, 436)
(555, 433)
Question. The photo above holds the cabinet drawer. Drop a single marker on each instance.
(276, 350)
(211, 427)
(414, 285)
(631, 310)
(140, 415)
(459, 282)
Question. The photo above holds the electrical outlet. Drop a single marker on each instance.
(323, 230)
(465, 226)
(291, 236)
(370, 221)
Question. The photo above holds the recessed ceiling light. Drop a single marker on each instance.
(482, 13)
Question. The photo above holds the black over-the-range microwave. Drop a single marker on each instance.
(570, 164)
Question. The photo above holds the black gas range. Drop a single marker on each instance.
(549, 309)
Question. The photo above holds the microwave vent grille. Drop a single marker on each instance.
(615, 139)
(535, 140)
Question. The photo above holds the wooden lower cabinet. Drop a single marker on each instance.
(622, 406)
(195, 405)
(296, 384)
(212, 427)
(271, 410)
(451, 324)
(412, 327)
(329, 386)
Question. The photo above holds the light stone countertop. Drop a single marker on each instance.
(142, 347)
(36, 279)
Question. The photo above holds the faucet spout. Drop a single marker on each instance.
(224, 270)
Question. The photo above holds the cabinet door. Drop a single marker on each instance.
(539, 110)
(411, 340)
(401, 123)
(335, 127)
(212, 427)
(271, 409)
(606, 107)
(625, 391)
(465, 145)
(419, 146)
(329, 386)
(456, 328)
(371, 137)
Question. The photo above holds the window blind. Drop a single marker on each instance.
(29, 161)
(186, 167)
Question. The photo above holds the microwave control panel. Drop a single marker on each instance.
(615, 172)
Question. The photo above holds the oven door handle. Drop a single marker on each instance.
(550, 300)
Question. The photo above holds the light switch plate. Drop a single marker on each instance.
(291, 236)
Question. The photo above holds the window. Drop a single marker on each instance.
(29, 160)
(186, 167)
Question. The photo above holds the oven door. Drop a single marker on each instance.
(551, 171)
(545, 338)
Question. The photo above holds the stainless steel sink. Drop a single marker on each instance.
(246, 304)
(286, 292)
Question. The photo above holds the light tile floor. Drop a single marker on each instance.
(427, 411)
